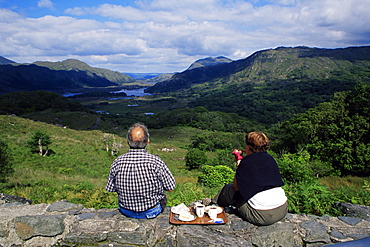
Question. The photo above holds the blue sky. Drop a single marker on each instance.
(168, 35)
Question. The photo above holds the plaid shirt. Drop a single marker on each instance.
(140, 179)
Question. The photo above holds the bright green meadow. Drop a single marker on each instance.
(78, 164)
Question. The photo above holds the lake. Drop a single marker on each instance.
(130, 93)
(133, 92)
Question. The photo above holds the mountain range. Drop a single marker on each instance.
(53, 76)
(269, 87)
(272, 85)
(73, 74)
(280, 79)
(283, 63)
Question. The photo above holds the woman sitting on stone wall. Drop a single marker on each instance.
(257, 189)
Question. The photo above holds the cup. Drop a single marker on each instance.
(212, 213)
(199, 210)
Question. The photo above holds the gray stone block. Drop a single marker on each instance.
(38, 225)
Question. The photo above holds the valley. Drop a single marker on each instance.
(310, 102)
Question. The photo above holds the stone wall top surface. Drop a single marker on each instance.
(67, 224)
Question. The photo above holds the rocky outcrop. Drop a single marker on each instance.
(67, 224)
(354, 210)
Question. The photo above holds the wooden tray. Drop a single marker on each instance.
(205, 220)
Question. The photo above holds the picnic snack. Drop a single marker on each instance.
(180, 209)
(187, 217)
(183, 211)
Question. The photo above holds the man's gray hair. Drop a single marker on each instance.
(138, 144)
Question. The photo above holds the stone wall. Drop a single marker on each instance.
(67, 224)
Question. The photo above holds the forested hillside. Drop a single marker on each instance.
(26, 102)
(335, 132)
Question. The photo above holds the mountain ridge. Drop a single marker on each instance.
(77, 65)
(271, 85)
(209, 61)
(52, 76)
(4, 60)
(271, 64)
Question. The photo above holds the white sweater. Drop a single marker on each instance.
(268, 199)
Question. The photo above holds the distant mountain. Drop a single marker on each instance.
(142, 76)
(209, 61)
(273, 85)
(53, 76)
(159, 78)
(76, 65)
(4, 60)
(283, 63)
(187, 78)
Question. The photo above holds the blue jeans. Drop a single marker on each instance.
(149, 214)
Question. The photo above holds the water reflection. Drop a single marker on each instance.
(133, 92)
(70, 94)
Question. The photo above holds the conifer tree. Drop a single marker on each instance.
(40, 140)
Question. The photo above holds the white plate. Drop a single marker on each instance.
(180, 209)
(219, 209)
(189, 218)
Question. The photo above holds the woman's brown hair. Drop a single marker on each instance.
(257, 141)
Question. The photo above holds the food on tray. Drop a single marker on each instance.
(184, 212)
(187, 217)
(180, 209)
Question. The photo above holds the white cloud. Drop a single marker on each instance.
(45, 4)
(167, 35)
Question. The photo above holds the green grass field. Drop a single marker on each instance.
(78, 165)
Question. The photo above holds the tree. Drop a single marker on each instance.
(211, 141)
(6, 168)
(40, 140)
(111, 145)
(336, 132)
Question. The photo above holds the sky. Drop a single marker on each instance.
(166, 36)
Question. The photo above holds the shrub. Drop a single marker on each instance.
(195, 159)
(224, 157)
(359, 196)
(323, 169)
(296, 167)
(310, 197)
(6, 168)
(216, 176)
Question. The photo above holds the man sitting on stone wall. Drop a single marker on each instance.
(140, 178)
